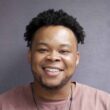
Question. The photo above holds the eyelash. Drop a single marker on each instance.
(43, 50)
(64, 51)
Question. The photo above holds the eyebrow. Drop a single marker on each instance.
(41, 43)
(65, 45)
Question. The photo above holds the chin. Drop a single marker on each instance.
(50, 85)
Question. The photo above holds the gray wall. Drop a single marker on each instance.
(94, 15)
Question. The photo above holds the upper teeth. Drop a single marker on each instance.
(52, 69)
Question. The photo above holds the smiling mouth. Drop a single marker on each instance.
(52, 71)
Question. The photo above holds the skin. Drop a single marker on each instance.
(53, 58)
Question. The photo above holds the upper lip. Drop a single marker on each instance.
(53, 67)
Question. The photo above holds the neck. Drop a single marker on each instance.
(59, 94)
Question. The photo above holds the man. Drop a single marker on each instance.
(52, 38)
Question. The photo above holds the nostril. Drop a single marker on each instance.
(53, 57)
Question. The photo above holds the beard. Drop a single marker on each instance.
(62, 83)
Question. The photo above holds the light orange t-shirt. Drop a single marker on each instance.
(83, 98)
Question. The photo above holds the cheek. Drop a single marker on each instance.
(36, 60)
(70, 63)
(36, 64)
(71, 59)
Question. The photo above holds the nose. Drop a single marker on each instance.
(53, 56)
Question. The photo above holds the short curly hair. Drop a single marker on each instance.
(52, 17)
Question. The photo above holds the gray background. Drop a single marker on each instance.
(94, 16)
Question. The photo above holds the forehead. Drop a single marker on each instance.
(55, 35)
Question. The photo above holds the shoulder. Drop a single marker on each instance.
(20, 90)
(95, 96)
(15, 96)
(91, 90)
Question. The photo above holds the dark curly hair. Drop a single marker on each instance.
(52, 17)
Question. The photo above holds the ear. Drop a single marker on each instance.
(77, 58)
(29, 56)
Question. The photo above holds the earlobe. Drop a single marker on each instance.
(78, 58)
(77, 62)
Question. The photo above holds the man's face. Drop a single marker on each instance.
(53, 56)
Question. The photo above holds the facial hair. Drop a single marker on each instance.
(63, 82)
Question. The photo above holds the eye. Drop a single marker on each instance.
(42, 50)
(64, 51)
